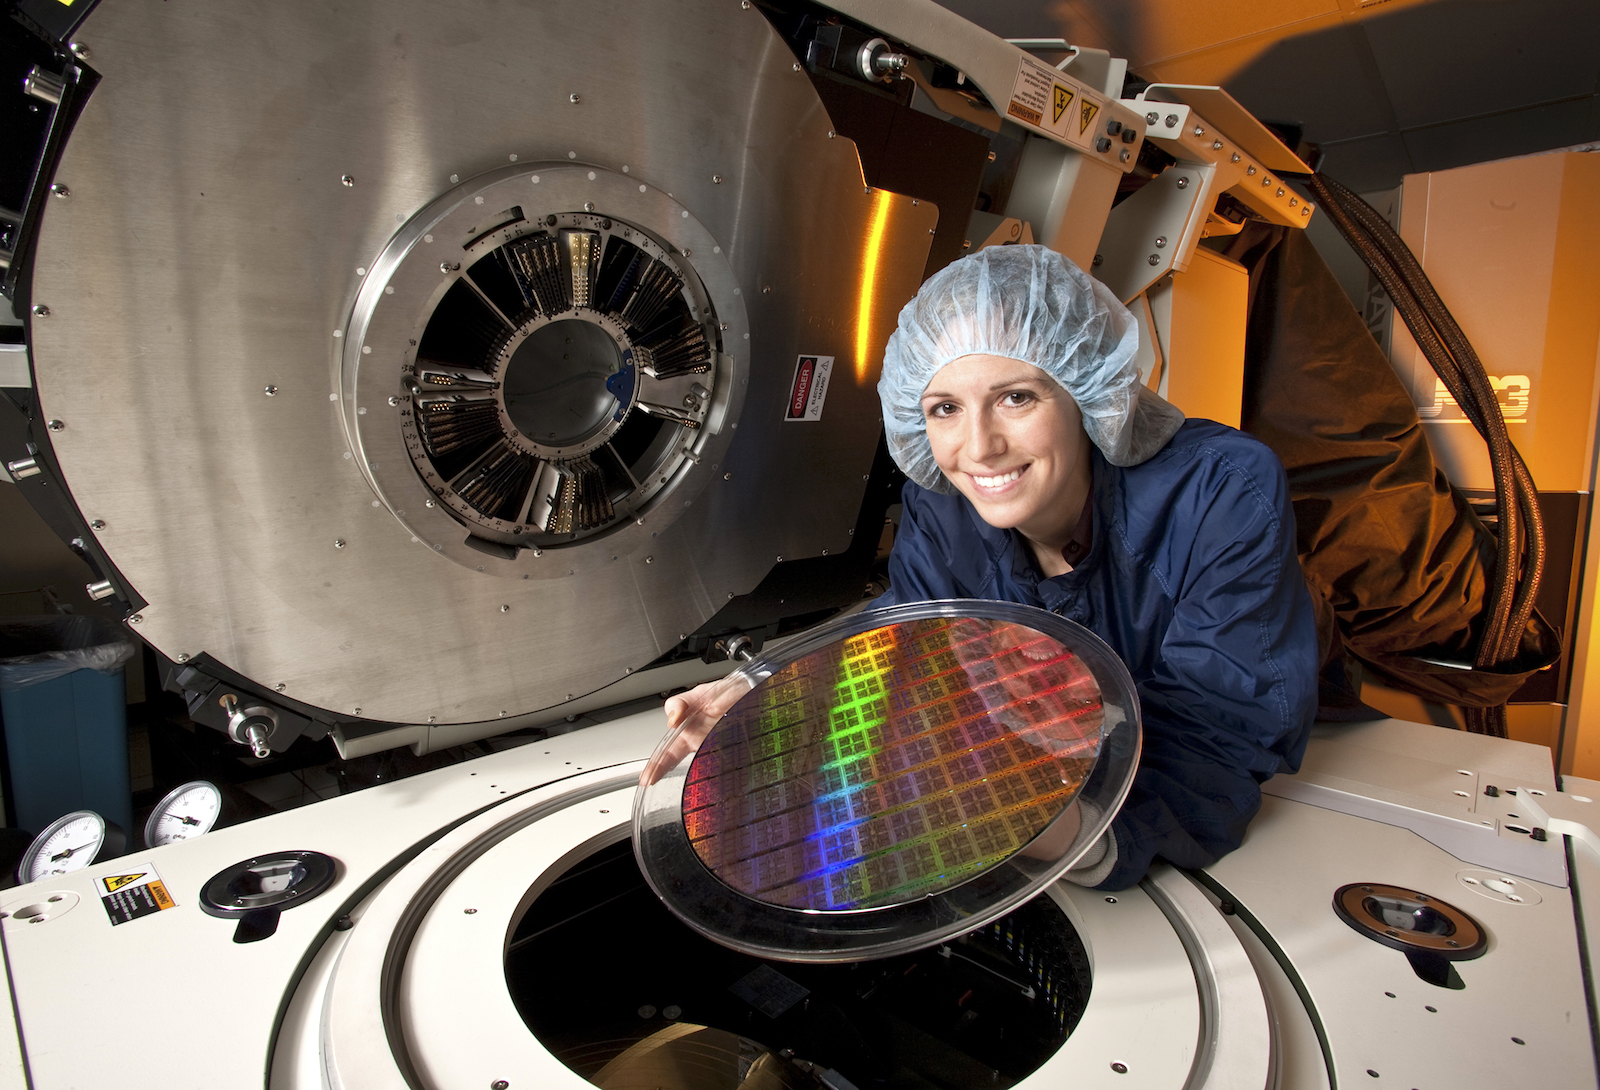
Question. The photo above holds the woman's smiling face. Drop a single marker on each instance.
(1012, 441)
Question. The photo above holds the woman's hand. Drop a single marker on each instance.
(696, 711)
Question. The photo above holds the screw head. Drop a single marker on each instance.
(1234, 158)
(727, 476)
(429, 503)
(1250, 171)
(1155, 259)
(80, 51)
(279, 687)
(135, 619)
(1120, 1068)
(1183, 183)
(270, 391)
(1151, 118)
(448, 267)
(716, 179)
(1161, 240)
(41, 311)
(98, 524)
(346, 181)
(574, 98)
(59, 190)
(588, 206)
(1199, 130)
(797, 66)
(55, 425)
(505, 609)
(338, 543)
(394, 400)
(183, 658)
(499, 1084)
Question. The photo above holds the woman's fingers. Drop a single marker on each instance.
(692, 715)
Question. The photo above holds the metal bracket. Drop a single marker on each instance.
(1468, 841)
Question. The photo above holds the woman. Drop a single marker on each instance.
(1043, 472)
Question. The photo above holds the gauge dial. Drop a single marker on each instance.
(71, 843)
(188, 811)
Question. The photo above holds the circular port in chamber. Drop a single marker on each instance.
(559, 380)
(647, 1002)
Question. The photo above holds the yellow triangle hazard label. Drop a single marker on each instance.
(117, 881)
(1063, 100)
(1086, 114)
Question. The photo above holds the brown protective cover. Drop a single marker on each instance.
(1395, 559)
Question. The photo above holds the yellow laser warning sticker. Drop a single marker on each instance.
(139, 891)
(1063, 99)
(1086, 112)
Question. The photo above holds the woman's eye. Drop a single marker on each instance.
(1016, 398)
(944, 408)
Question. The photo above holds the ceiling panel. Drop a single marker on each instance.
(1290, 79)
(1454, 59)
(1155, 30)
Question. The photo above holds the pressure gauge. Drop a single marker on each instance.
(188, 811)
(71, 843)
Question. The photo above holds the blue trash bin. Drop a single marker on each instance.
(63, 706)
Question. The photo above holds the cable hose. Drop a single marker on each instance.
(1466, 359)
(1497, 608)
(1520, 554)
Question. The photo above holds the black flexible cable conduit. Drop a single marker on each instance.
(1520, 556)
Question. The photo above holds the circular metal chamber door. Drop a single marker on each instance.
(422, 365)
(891, 780)
(569, 370)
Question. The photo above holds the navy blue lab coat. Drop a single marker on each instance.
(1193, 580)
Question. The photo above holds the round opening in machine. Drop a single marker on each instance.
(556, 382)
(564, 375)
(646, 1001)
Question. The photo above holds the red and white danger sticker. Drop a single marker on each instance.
(810, 388)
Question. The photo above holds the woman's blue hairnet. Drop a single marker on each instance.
(1025, 303)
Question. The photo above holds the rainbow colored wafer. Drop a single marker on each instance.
(893, 765)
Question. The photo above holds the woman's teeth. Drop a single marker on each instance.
(996, 482)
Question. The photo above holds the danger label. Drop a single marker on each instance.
(136, 892)
(1043, 98)
(1033, 92)
(1063, 99)
(810, 388)
(1086, 114)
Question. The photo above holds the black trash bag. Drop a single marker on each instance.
(34, 650)
(1397, 558)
